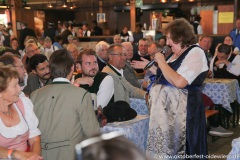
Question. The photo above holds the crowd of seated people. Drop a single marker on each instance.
(110, 72)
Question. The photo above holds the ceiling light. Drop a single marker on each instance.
(163, 1)
(25, 6)
(64, 5)
(49, 5)
(3, 5)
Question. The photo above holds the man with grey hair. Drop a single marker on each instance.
(128, 71)
(122, 88)
(101, 51)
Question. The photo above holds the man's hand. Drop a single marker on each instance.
(84, 80)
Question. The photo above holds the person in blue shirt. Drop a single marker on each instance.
(235, 34)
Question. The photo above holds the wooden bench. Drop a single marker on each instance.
(209, 113)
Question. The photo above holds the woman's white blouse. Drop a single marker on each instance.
(193, 64)
(29, 121)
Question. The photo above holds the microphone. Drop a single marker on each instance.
(165, 50)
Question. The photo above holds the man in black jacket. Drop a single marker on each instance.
(24, 33)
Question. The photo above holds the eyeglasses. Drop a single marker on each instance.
(103, 50)
(33, 51)
(90, 141)
(22, 66)
(122, 55)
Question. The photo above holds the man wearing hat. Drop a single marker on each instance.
(122, 88)
(50, 32)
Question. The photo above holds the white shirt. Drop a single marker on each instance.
(29, 121)
(193, 64)
(61, 79)
(233, 67)
(105, 92)
(48, 51)
(88, 33)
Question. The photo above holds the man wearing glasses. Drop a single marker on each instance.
(15, 61)
(122, 88)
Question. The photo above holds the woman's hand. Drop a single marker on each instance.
(209, 74)
(159, 58)
(20, 155)
(139, 64)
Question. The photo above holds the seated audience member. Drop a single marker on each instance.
(142, 52)
(86, 31)
(41, 41)
(48, 47)
(205, 42)
(225, 64)
(64, 111)
(72, 48)
(15, 46)
(58, 41)
(98, 83)
(150, 39)
(75, 41)
(102, 56)
(31, 49)
(19, 135)
(16, 62)
(228, 40)
(124, 35)
(39, 76)
(70, 39)
(80, 32)
(128, 71)
(162, 41)
(152, 50)
(122, 88)
(117, 39)
(110, 146)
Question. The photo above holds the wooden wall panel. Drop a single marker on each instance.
(207, 21)
(225, 28)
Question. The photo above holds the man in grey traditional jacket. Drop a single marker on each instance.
(65, 112)
(122, 88)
